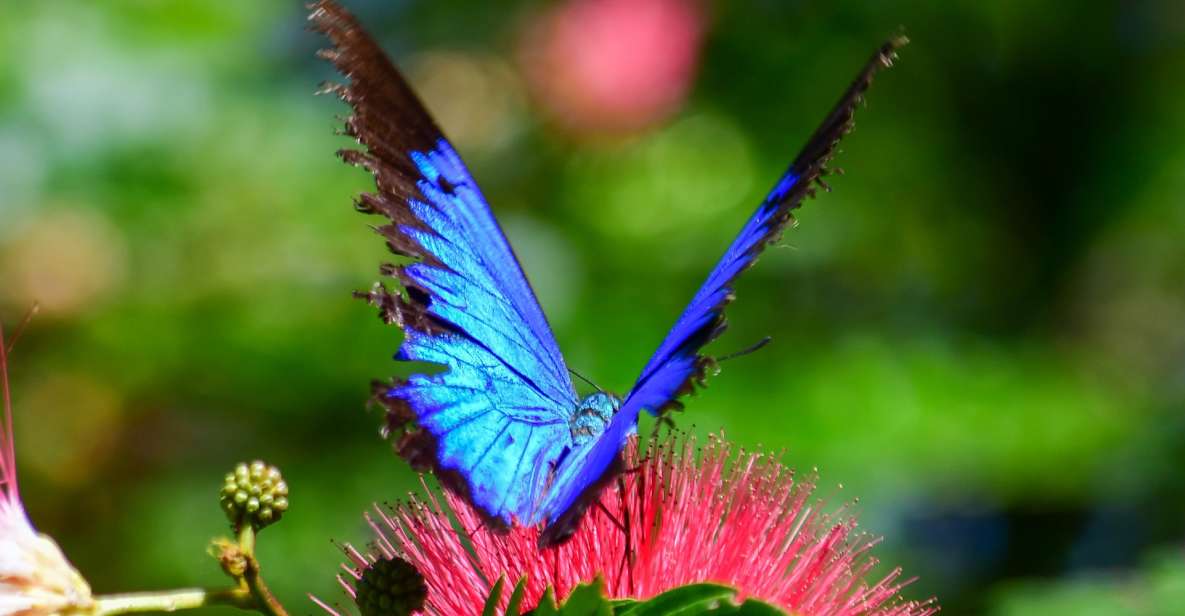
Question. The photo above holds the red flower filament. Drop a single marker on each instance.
(741, 520)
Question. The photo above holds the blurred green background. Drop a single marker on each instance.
(980, 333)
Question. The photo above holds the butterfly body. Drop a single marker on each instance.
(502, 424)
(592, 416)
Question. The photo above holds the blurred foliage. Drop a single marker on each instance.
(979, 333)
(1157, 589)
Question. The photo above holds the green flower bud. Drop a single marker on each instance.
(254, 493)
(390, 587)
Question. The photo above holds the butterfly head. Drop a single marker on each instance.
(593, 415)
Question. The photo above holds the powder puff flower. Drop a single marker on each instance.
(678, 518)
(35, 577)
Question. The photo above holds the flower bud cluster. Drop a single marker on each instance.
(255, 493)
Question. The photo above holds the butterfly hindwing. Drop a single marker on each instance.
(495, 419)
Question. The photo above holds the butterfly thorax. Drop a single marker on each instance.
(592, 416)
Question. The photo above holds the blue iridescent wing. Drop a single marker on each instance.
(494, 421)
(677, 365)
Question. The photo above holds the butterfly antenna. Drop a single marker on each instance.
(754, 347)
(586, 380)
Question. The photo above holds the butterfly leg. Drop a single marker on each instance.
(640, 463)
(664, 421)
(628, 556)
(624, 527)
(612, 518)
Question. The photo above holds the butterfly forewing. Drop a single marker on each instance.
(677, 365)
(500, 410)
(674, 367)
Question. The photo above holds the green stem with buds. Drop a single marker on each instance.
(250, 594)
(254, 496)
(172, 600)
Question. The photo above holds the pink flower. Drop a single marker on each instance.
(35, 577)
(743, 520)
(613, 65)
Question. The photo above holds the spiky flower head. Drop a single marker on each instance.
(255, 494)
(680, 517)
(35, 577)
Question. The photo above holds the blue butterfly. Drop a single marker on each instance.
(502, 424)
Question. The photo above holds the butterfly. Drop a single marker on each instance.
(502, 424)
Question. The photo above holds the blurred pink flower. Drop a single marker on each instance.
(35, 577)
(742, 520)
(613, 65)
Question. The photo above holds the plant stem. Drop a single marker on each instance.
(247, 539)
(252, 594)
(265, 601)
(172, 600)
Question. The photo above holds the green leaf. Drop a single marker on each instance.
(753, 607)
(588, 600)
(516, 598)
(695, 599)
(691, 600)
(491, 606)
(547, 606)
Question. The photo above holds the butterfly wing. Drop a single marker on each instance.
(677, 365)
(492, 423)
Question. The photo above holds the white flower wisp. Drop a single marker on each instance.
(35, 577)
